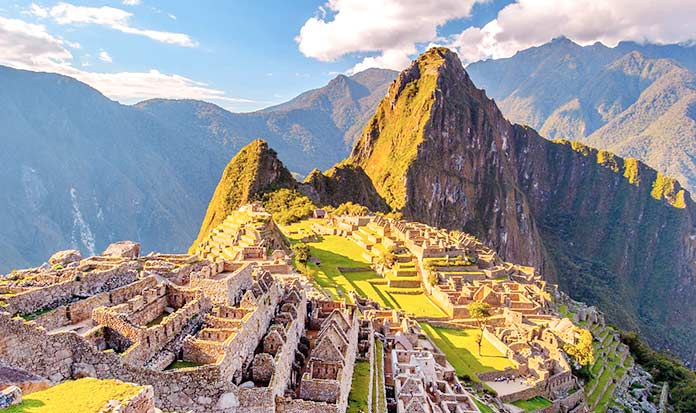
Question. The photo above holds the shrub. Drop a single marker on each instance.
(581, 351)
(302, 252)
(287, 205)
(349, 208)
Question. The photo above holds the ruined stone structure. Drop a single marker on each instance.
(235, 329)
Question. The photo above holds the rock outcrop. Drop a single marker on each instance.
(65, 257)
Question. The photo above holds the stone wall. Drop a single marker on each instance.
(288, 405)
(84, 284)
(56, 356)
(224, 290)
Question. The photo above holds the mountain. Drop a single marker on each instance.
(82, 171)
(611, 231)
(255, 168)
(316, 128)
(634, 100)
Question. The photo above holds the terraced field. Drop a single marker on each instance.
(612, 362)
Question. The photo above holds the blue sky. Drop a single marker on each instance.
(245, 55)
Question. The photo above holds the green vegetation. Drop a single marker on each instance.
(582, 351)
(157, 320)
(349, 208)
(302, 252)
(357, 398)
(36, 314)
(287, 205)
(483, 407)
(241, 180)
(460, 348)
(334, 252)
(388, 145)
(181, 364)
(665, 368)
(86, 395)
(379, 402)
(532, 404)
(666, 187)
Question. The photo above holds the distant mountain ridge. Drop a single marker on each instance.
(81, 171)
(634, 100)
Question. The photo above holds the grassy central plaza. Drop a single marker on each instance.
(461, 349)
(334, 252)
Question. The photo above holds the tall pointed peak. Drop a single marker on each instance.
(392, 140)
(253, 169)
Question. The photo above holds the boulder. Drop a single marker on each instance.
(65, 257)
(262, 368)
(10, 396)
(123, 249)
(81, 370)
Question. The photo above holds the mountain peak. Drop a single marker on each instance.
(255, 168)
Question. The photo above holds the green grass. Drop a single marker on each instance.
(86, 395)
(461, 349)
(379, 403)
(357, 398)
(181, 364)
(532, 404)
(334, 252)
(157, 320)
(484, 408)
(36, 314)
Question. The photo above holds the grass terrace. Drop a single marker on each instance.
(461, 349)
(86, 395)
(357, 398)
(481, 406)
(532, 404)
(379, 402)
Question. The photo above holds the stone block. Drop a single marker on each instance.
(65, 257)
(123, 249)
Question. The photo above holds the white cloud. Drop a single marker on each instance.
(29, 46)
(132, 2)
(528, 23)
(105, 57)
(389, 27)
(117, 19)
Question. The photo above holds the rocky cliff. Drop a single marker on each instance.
(611, 231)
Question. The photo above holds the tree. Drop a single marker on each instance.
(287, 206)
(302, 252)
(349, 208)
(581, 351)
(480, 312)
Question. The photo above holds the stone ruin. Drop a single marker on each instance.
(234, 328)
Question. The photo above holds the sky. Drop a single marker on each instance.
(248, 54)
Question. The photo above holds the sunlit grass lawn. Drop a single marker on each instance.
(80, 396)
(357, 398)
(334, 252)
(532, 404)
(461, 349)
